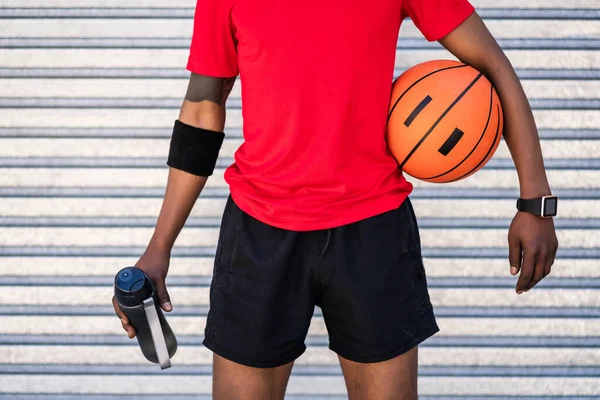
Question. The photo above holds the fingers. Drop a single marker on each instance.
(124, 320)
(514, 255)
(163, 295)
(527, 270)
(549, 263)
(538, 273)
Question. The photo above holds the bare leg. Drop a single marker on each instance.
(232, 381)
(395, 379)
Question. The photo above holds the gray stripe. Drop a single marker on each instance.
(83, 103)
(512, 13)
(94, 162)
(20, 396)
(182, 73)
(214, 222)
(175, 103)
(314, 341)
(201, 311)
(184, 43)
(154, 73)
(116, 192)
(145, 13)
(165, 133)
(107, 133)
(224, 162)
(300, 370)
(204, 281)
(187, 13)
(222, 192)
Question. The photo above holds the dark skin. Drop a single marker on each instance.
(203, 107)
(532, 241)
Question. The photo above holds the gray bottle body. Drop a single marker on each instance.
(138, 300)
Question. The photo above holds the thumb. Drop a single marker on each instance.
(514, 255)
(163, 295)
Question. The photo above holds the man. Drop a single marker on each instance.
(318, 213)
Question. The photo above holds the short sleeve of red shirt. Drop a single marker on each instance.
(213, 49)
(436, 18)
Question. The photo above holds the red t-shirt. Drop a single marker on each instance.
(316, 78)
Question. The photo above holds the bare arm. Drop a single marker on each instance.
(532, 241)
(473, 44)
(203, 107)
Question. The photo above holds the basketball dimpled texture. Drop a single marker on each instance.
(445, 121)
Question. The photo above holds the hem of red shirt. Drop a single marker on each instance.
(201, 68)
(367, 208)
(452, 23)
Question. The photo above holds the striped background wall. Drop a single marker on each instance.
(88, 95)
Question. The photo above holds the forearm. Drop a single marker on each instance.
(180, 196)
(520, 132)
(200, 109)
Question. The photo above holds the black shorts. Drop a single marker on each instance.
(367, 277)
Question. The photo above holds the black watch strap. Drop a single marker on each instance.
(545, 206)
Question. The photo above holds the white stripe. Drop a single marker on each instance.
(140, 178)
(497, 327)
(98, 28)
(159, 148)
(161, 118)
(509, 29)
(106, 177)
(44, 295)
(199, 296)
(464, 238)
(99, 118)
(471, 268)
(559, 4)
(180, 266)
(306, 385)
(97, 3)
(443, 208)
(176, 88)
(100, 237)
(552, 59)
(129, 148)
(163, 58)
(190, 355)
(187, 4)
(508, 179)
(182, 28)
(210, 207)
(101, 88)
(108, 207)
(96, 266)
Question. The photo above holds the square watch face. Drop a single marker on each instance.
(550, 206)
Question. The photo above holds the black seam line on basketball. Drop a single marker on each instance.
(417, 110)
(419, 80)
(440, 119)
(451, 142)
(487, 123)
(496, 139)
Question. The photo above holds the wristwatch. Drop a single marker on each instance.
(544, 207)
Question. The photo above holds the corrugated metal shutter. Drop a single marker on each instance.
(88, 94)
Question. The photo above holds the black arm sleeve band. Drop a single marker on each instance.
(194, 150)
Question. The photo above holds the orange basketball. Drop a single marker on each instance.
(445, 121)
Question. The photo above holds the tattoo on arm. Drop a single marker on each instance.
(208, 88)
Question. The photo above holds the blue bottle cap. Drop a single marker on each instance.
(132, 286)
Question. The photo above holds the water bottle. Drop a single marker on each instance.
(137, 298)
